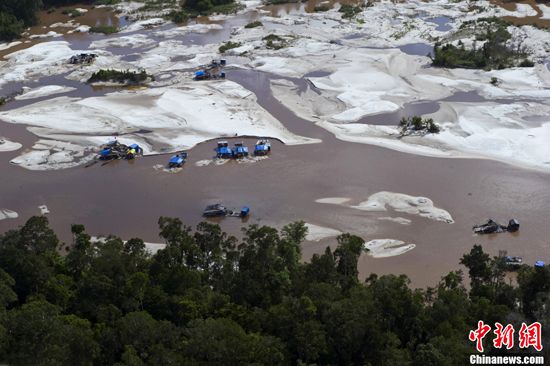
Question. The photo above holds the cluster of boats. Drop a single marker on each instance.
(115, 150)
(224, 151)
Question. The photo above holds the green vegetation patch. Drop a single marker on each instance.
(349, 11)
(278, 2)
(122, 77)
(207, 7)
(417, 124)
(178, 16)
(105, 29)
(492, 54)
(73, 13)
(229, 45)
(157, 5)
(254, 24)
(275, 42)
(106, 2)
(10, 27)
(322, 8)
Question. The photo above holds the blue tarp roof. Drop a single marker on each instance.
(539, 264)
(199, 73)
(224, 150)
(262, 147)
(134, 146)
(105, 151)
(176, 159)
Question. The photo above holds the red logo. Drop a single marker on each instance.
(529, 335)
(504, 336)
(478, 334)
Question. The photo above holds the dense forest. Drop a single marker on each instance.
(209, 298)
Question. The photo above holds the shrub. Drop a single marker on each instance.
(106, 2)
(274, 42)
(121, 77)
(105, 29)
(494, 81)
(277, 2)
(207, 7)
(228, 45)
(10, 27)
(418, 124)
(349, 11)
(254, 24)
(526, 63)
(178, 17)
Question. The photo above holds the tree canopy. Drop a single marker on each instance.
(209, 298)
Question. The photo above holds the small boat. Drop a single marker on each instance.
(216, 210)
(133, 151)
(491, 227)
(177, 161)
(223, 151)
(262, 147)
(513, 261)
(240, 151)
(107, 154)
(219, 210)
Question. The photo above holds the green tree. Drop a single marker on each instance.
(223, 342)
(346, 256)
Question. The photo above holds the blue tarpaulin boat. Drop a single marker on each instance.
(240, 150)
(262, 147)
(177, 161)
(223, 150)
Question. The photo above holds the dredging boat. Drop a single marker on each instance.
(223, 151)
(240, 151)
(492, 227)
(219, 210)
(177, 161)
(114, 150)
(262, 147)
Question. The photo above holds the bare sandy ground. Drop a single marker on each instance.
(360, 81)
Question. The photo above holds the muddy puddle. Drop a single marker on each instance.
(126, 198)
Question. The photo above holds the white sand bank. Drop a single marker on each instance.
(422, 206)
(317, 233)
(44, 91)
(8, 214)
(333, 200)
(398, 220)
(7, 145)
(382, 248)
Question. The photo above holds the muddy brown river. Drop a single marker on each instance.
(126, 198)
